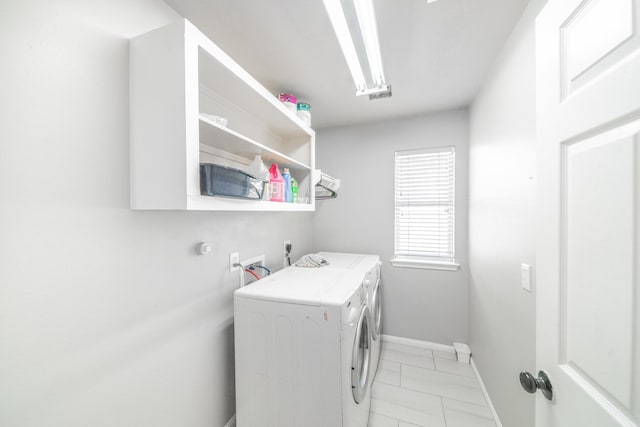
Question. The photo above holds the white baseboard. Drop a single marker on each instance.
(232, 422)
(421, 344)
(486, 394)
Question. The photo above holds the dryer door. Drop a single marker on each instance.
(361, 359)
(376, 306)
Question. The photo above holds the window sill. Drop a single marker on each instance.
(428, 265)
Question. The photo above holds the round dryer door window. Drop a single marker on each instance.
(361, 361)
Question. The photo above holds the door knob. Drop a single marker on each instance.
(542, 383)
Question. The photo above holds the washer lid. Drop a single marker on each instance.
(297, 285)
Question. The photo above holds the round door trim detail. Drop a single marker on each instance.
(376, 305)
(361, 357)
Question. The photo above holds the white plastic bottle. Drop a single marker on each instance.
(259, 170)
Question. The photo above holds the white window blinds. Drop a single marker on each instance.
(425, 205)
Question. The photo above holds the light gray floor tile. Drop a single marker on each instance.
(409, 349)
(404, 424)
(454, 367)
(407, 358)
(461, 414)
(450, 355)
(441, 384)
(411, 406)
(388, 373)
(377, 420)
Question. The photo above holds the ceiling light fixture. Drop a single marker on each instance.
(354, 23)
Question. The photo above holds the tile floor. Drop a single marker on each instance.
(419, 387)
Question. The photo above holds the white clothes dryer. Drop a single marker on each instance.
(303, 350)
(369, 266)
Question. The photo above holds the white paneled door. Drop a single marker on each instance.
(588, 325)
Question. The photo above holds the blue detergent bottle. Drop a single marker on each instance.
(288, 194)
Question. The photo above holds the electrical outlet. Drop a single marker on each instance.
(286, 259)
(234, 260)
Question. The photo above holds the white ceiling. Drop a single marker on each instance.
(435, 55)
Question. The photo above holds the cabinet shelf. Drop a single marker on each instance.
(217, 136)
(178, 77)
(212, 203)
(217, 70)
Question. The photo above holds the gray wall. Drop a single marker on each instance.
(108, 317)
(502, 194)
(420, 304)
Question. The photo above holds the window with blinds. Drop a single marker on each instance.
(425, 205)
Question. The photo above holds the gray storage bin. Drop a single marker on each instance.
(216, 180)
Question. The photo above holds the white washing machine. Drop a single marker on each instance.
(369, 267)
(303, 350)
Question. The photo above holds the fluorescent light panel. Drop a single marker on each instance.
(367, 23)
(339, 22)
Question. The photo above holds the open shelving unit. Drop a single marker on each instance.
(178, 77)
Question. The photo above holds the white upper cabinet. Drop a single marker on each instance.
(179, 79)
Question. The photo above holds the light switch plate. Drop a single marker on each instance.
(525, 277)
